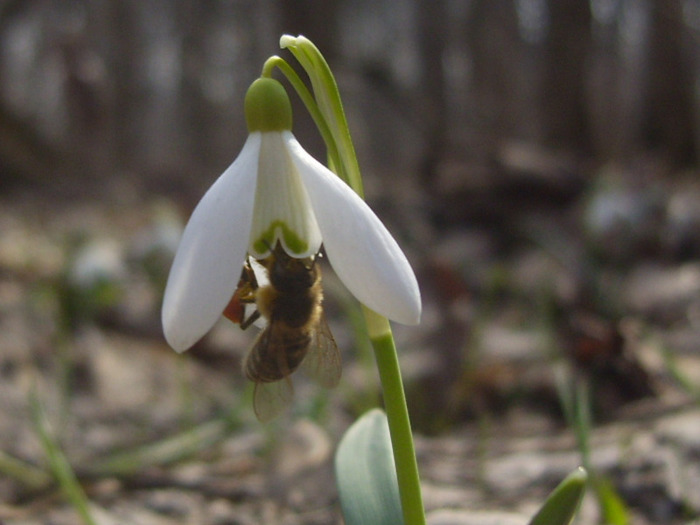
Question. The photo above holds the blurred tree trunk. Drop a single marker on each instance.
(566, 55)
(24, 154)
(26, 157)
(89, 114)
(318, 21)
(193, 23)
(432, 41)
(123, 61)
(616, 83)
(670, 110)
(315, 20)
(493, 48)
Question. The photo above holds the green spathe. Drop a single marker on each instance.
(267, 106)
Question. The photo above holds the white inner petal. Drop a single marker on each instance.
(282, 209)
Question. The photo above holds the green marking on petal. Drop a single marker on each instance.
(282, 209)
(267, 106)
(291, 240)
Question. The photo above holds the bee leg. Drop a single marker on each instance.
(245, 323)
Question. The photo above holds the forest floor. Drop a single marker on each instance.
(520, 305)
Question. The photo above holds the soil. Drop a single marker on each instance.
(520, 304)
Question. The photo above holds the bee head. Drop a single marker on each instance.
(289, 274)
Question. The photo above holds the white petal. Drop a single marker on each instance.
(282, 208)
(213, 248)
(359, 247)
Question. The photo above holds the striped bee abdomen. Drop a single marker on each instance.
(278, 351)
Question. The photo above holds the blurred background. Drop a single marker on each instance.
(152, 91)
(537, 160)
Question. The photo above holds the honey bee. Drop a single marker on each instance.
(296, 329)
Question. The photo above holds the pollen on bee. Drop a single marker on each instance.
(235, 309)
(266, 297)
(244, 294)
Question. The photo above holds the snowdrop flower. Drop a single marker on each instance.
(276, 192)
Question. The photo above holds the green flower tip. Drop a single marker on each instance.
(287, 41)
(267, 106)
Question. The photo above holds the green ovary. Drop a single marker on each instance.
(267, 106)
(292, 241)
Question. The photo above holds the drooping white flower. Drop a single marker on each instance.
(275, 191)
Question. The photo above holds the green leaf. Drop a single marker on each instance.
(366, 475)
(562, 504)
(60, 468)
(613, 508)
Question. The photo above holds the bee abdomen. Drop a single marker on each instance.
(276, 354)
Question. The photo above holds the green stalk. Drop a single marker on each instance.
(397, 413)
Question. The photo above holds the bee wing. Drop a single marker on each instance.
(270, 399)
(323, 361)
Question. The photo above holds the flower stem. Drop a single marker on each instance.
(397, 414)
